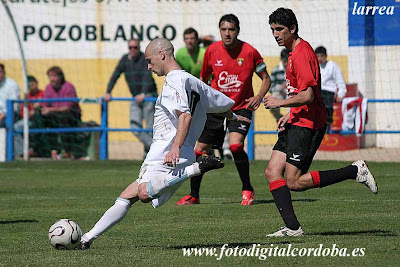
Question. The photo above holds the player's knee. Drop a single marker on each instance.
(294, 185)
(270, 174)
(143, 195)
(236, 148)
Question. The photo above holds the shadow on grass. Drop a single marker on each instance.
(369, 232)
(19, 221)
(269, 201)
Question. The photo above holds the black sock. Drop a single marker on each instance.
(336, 176)
(283, 202)
(242, 165)
(195, 182)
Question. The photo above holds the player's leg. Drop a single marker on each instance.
(236, 141)
(113, 215)
(213, 134)
(296, 171)
(195, 181)
(237, 133)
(165, 178)
(281, 194)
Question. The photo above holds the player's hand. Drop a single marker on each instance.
(243, 119)
(338, 99)
(139, 98)
(45, 111)
(172, 158)
(271, 102)
(282, 122)
(253, 102)
(107, 97)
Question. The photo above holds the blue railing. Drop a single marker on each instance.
(252, 132)
(104, 129)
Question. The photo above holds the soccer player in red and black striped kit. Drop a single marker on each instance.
(302, 129)
(232, 63)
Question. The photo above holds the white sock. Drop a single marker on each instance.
(112, 216)
(155, 187)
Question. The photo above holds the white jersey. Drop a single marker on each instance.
(185, 93)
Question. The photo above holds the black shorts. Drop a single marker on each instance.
(300, 145)
(215, 128)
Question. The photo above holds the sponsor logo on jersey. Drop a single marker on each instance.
(295, 157)
(291, 91)
(290, 64)
(219, 63)
(240, 61)
(228, 81)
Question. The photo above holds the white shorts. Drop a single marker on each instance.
(158, 174)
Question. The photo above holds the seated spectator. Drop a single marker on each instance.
(9, 90)
(34, 93)
(59, 115)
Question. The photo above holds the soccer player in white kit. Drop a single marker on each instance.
(178, 122)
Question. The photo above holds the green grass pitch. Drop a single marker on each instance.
(34, 195)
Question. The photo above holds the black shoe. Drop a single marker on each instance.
(84, 245)
(208, 163)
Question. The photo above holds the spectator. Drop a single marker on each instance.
(59, 115)
(332, 82)
(9, 90)
(278, 82)
(34, 93)
(141, 84)
(190, 57)
(207, 40)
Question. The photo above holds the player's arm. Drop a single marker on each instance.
(184, 120)
(230, 115)
(261, 70)
(302, 98)
(254, 102)
(340, 84)
(115, 76)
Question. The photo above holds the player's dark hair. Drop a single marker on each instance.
(284, 16)
(285, 54)
(31, 78)
(58, 71)
(320, 50)
(231, 19)
(189, 31)
(2, 67)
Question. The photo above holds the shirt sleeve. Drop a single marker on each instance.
(339, 81)
(259, 63)
(206, 69)
(306, 71)
(117, 72)
(216, 102)
(46, 95)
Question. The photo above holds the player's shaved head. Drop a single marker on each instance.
(160, 44)
(159, 55)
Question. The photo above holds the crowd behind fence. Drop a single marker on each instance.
(104, 129)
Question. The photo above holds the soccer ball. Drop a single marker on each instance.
(65, 234)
